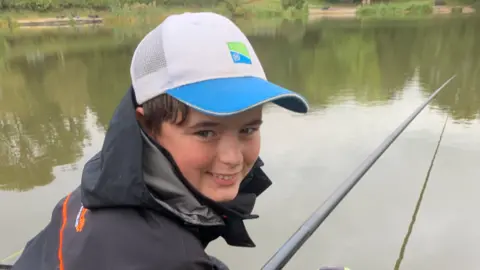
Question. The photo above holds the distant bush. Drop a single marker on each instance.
(457, 10)
(461, 2)
(294, 4)
(419, 8)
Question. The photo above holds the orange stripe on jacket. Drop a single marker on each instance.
(64, 223)
(80, 222)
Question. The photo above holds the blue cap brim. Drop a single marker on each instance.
(228, 96)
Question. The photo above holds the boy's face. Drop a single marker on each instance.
(214, 153)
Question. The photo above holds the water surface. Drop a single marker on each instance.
(58, 90)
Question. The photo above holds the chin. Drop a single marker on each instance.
(224, 195)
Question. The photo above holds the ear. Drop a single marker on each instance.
(139, 115)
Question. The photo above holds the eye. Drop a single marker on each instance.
(249, 130)
(205, 134)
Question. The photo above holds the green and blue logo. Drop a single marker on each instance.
(239, 53)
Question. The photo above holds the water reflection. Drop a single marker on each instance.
(48, 80)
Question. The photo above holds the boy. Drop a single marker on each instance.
(179, 166)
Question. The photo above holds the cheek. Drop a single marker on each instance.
(193, 158)
(252, 150)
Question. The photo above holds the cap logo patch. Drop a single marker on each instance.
(239, 53)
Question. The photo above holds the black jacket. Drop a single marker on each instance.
(135, 211)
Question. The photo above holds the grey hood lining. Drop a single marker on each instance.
(170, 192)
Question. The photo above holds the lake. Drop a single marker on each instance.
(58, 90)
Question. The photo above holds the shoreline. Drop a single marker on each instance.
(351, 12)
(313, 14)
(58, 21)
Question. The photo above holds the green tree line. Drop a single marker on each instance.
(53, 5)
(157, 9)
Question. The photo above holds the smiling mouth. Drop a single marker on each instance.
(224, 179)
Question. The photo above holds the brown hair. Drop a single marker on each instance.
(163, 108)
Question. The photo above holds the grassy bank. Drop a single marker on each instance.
(412, 9)
(420, 8)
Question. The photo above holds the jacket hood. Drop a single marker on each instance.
(132, 170)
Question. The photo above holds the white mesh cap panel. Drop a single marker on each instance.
(149, 66)
(151, 57)
(188, 48)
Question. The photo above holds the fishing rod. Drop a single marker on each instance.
(288, 250)
(401, 255)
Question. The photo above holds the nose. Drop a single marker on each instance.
(229, 151)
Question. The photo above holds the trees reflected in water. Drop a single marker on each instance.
(45, 91)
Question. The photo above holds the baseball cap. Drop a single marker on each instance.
(205, 61)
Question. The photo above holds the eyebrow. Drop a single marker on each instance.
(255, 122)
(210, 124)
